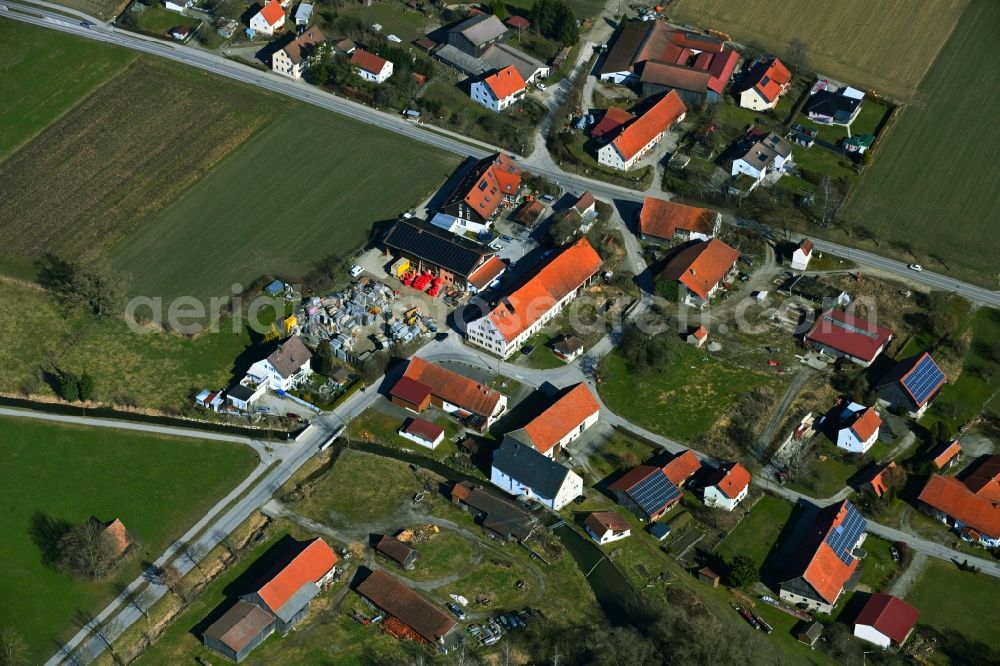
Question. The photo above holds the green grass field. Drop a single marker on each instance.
(157, 486)
(758, 531)
(150, 369)
(958, 603)
(309, 185)
(104, 169)
(44, 74)
(933, 183)
(667, 404)
(887, 46)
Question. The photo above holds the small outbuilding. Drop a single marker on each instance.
(809, 632)
(423, 432)
(397, 551)
(885, 620)
(706, 575)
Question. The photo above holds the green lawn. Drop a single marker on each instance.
(157, 486)
(148, 369)
(869, 117)
(664, 402)
(878, 567)
(958, 603)
(394, 17)
(758, 532)
(309, 185)
(44, 74)
(378, 426)
(826, 471)
(157, 21)
(946, 213)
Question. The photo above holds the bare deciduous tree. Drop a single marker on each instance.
(13, 647)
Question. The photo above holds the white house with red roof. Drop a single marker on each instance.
(857, 427)
(970, 505)
(473, 402)
(885, 620)
(642, 134)
(371, 67)
(702, 269)
(423, 432)
(727, 487)
(269, 19)
(767, 81)
(521, 314)
(802, 255)
(607, 527)
(826, 558)
(838, 333)
(571, 415)
(499, 90)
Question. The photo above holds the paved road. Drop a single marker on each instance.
(539, 162)
(213, 527)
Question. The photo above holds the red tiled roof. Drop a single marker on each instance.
(600, 522)
(564, 416)
(369, 62)
(452, 387)
(701, 333)
(564, 273)
(682, 467)
(702, 266)
(806, 246)
(826, 572)
(662, 218)
(488, 272)
(518, 23)
(849, 334)
(772, 80)
(675, 76)
(613, 119)
(425, 430)
(585, 201)
(732, 479)
(505, 82)
(644, 129)
(889, 615)
(410, 390)
(310, 37)
(272, 12)
(952, 497)
(722, 67)
(634, 476)
(867, 424)
(116, 531)
(878, 481)
(946, 453)
(498, 177)
(311, 564)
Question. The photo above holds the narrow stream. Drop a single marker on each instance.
(613, 592)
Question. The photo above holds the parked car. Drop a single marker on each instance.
(541, 86)
(915, 267)
(507, 239)
(441, 336)
(356, 271)
(293, 416)
(527, 349)
(547, 198)
(456, 611)
(894, 553)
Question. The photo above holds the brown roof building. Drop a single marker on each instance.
(666, 220)
(466, 398)
(242, 628)
(702, 268)
(397, 551)
(427, 622)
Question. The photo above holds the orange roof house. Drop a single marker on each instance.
(269, 18)
(731, 480)
(505, 83)
(664, 220)
(643, 133)
(877, 483)
(368, 62)
(826, 558)
(701, 268)
(956, 503)
(698, 336)
(565, 420)
(766, 82)
(457, 393)
(947, 454)
(492, 181)
(613, 120)
(682, 467)
(521, 313)
(291, 586)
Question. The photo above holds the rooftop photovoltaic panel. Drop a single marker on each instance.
(654, 492)
(923, 379)
(844, 536)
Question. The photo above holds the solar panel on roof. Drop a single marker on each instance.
(923, 379)
(844, 537)
(654, 492)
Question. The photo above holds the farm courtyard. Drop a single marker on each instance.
(55, 475)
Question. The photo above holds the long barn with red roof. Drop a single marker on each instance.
(520, 314)
(642, 134)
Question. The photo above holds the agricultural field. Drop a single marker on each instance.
(887, 46)
(152, 369)
(933, 186)
(44, 74)
(91, 178)
(309, 185)
(54, 475)
(105, 9)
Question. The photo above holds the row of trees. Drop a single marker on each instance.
(72, 387)
(555, 20)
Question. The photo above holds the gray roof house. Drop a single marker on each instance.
(521, 470)
(477, 33)
(242, 628)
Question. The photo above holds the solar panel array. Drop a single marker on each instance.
(923, 379)
(844, 536)
(654, 492)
